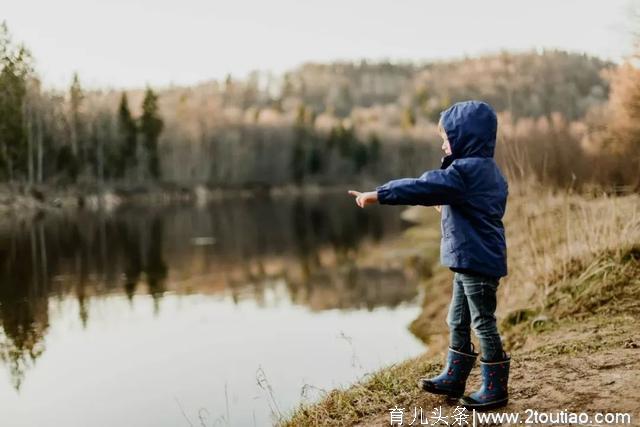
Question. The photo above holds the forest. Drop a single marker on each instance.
(322, 124)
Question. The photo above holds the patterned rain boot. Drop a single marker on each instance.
(494, 391)
(453, 378)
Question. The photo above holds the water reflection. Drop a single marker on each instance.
(237, 248)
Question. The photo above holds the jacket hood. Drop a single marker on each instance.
(471, 128)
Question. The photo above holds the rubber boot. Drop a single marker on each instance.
(453, 378)
(494, 391)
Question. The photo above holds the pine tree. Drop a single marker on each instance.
(124, 158)
(76, 96)
(299, 152)
(151, 125)
(15, 69)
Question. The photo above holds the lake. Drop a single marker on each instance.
(226, 314)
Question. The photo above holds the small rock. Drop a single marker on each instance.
(539, 321)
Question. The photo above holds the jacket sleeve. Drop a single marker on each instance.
(434, 187)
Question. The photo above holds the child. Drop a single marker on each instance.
(471, 193)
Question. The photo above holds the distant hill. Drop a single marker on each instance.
(528, 84)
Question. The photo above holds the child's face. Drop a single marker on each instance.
(446, 147)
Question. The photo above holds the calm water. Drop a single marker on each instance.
(221, 315)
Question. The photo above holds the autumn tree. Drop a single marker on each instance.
(615, 135)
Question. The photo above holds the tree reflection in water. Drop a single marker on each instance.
(236, 248)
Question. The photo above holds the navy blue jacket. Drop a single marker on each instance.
(471, 189)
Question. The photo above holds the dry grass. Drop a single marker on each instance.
(601, 291)
(549, 231)
(569, 255)
(377, 392)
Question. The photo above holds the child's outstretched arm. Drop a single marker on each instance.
(364, 199)
(434, 187)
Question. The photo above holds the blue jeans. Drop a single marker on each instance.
(473, 304)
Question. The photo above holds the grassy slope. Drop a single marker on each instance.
(569, 313)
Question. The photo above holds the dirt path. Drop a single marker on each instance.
(580, 367)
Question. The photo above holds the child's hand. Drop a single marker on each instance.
(364, 199)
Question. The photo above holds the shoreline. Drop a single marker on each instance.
(568, 314)
(24, 202)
